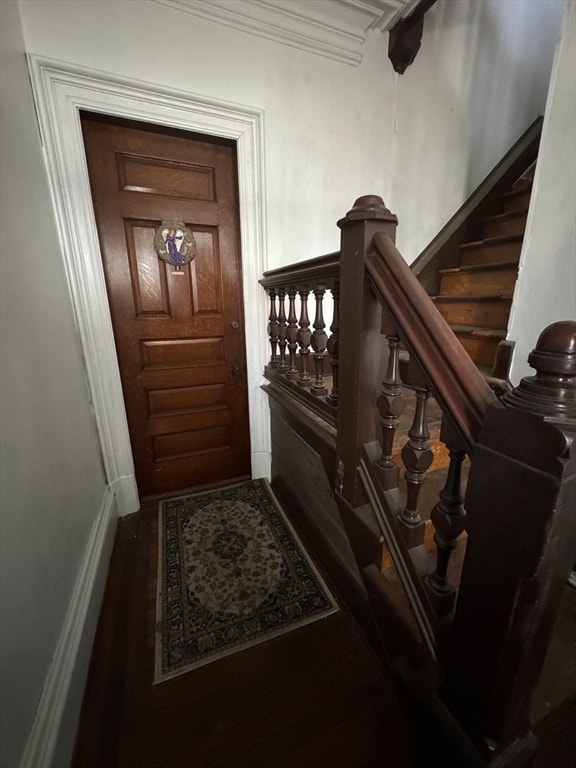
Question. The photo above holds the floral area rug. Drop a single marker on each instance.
(231, 573)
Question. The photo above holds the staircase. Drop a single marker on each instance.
(356, 467)
(470, 268)
(475, 297)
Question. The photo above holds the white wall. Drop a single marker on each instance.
(327, 127)
(546, 287)
(478, 82)
(52, 479)
(423, 140)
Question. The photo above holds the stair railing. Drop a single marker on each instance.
(303, 358)
(488, 639)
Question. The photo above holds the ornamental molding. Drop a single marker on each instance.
(61, 91)
(335, 29)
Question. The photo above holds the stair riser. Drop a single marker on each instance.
(482, 314)
(482, 351)
(489, 283)
(516, 202)
(513, 226)
(491, 254)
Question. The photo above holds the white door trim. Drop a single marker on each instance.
(61, 90)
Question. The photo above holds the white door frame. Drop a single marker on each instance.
(61, 90)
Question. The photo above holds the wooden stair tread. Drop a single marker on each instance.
(522, 195)
(492, 241)
(516, 193)
(447, 299)
(499, 266)
(470, 330)
(505, 216)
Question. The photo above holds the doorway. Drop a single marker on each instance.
(62, 90)
(177, 317)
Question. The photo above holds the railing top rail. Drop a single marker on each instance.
(311, 271)
(458, 386)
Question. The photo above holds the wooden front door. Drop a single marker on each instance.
(179, 332)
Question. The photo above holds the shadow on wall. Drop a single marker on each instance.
(512, 61)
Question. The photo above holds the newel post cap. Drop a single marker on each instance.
(552, 391)
(368, 208)
(555, 350)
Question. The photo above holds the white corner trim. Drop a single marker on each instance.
(68, 668)
(61, 91)
(126, 493)
(262, 466)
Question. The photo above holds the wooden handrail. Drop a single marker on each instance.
(459, 387)
(322, 269)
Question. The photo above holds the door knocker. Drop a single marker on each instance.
(174, 243)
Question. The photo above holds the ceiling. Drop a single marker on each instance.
(336, 29)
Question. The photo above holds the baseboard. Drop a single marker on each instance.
(51, 740)
(261, 462)
(126, 492)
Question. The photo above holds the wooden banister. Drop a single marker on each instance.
(321, 270)
(296, 347)
(455, 381)
(487, 638)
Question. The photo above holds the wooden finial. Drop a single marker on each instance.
(552, 391)
(368, 208)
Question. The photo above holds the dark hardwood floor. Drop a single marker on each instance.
(315, 697)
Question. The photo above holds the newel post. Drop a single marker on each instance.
(360, 358)
(521, 522)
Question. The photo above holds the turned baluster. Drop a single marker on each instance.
(417, 457)
(292, 335)
(332, 347)
(319, 339)
(273, 327)
(390, 403)
(449, 519)
(282, 331)
(304, 335)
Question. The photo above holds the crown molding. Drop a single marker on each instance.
(383, 13)
(335, 29)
